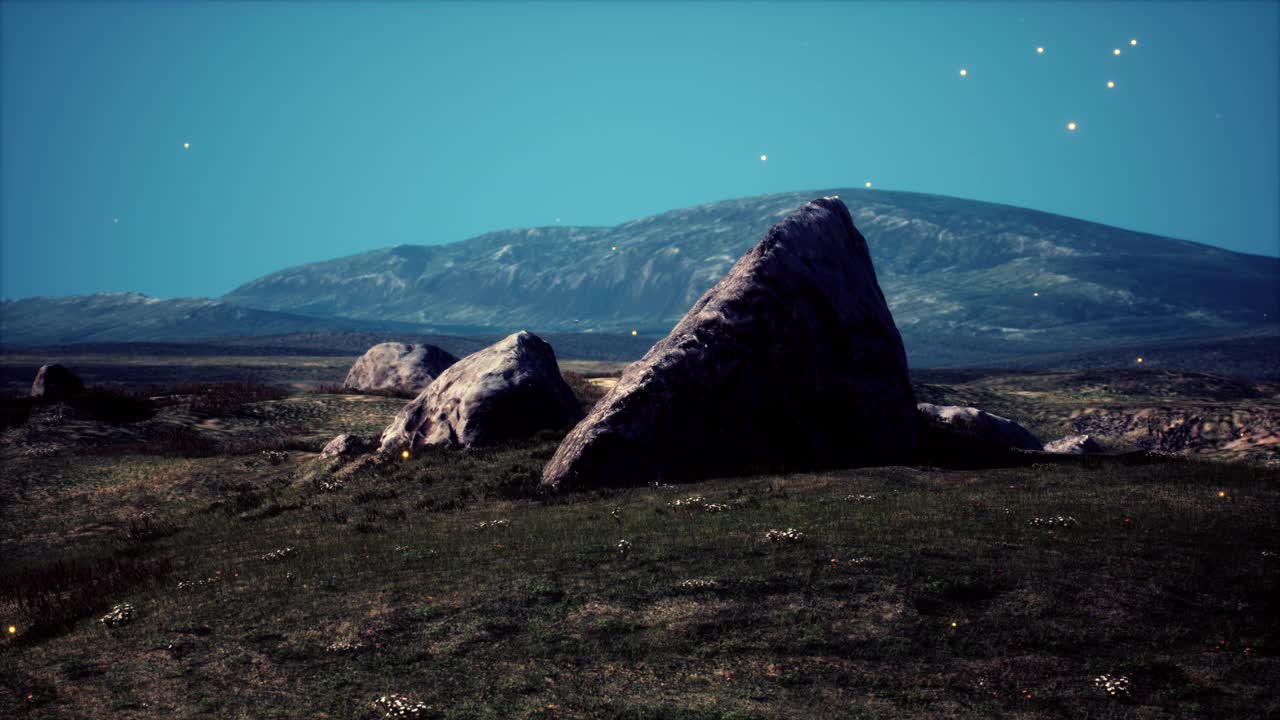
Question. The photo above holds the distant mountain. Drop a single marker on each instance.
(966, 280)
(115, 317)
(961, 278)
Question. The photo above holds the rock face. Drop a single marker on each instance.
(792, 360)
(508, 390)
(347, 445)
(1074, 445)
(398, 367)
(55, 382)
(979, 427)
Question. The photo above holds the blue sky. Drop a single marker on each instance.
(318, 130)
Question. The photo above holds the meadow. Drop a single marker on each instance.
(233, 578)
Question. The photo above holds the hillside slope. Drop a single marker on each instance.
(961, 276)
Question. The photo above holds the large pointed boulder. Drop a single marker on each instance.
(398, 367)
(509, 390)
(791, 361)
(55, 382)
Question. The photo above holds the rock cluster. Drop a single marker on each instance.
(508, 390)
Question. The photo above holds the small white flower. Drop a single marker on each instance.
(699, 584)
(1062, 521)
(119, 615)
(1113, 685)
(790, 535)
(280, 554)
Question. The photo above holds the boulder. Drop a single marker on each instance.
(55, 382)
(1074, 445)
(791, 361)
(398, 367)
(347, 445)
(509, 390)
(978, 429)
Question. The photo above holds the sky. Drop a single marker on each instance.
(182, 148)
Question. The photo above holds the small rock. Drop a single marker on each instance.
(55, 382)
(347, 445)
(398, 367)
(978, 427)
(1074, 445)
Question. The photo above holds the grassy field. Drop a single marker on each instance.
(244, 577)
(908, 591)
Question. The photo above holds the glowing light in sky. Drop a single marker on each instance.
(868, 183)
(963, 72)
(186, 145)
(1134, 42)
(615, 247)
(1071, 126)
(1111, 83)
(764, 158)
(1139, 361)
(633, 333)
(1039, 51)
(1116, 51)
(1035, 294)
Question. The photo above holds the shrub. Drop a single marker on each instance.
(14, 410)
(55, 595)
(218, 398)
(113, 405)
(586, 393)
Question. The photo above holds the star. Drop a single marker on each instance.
(186, 146)
(868, 183)
(633, 333)
(115, 220)
(1134, 42)
(1035, 294)
(1071, 126)
(1116, 51)
(963, 72)
(1039, 51)
(1139, 361)
(764, 158)
(615, 247)
(1111, 83)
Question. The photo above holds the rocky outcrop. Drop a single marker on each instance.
(508, 390)
(55, 382)
(347, 445)
(398, 367)
(976, 428)
(791, 360)
(1074, 445)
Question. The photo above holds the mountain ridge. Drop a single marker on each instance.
(962, 271)
(967, 281)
